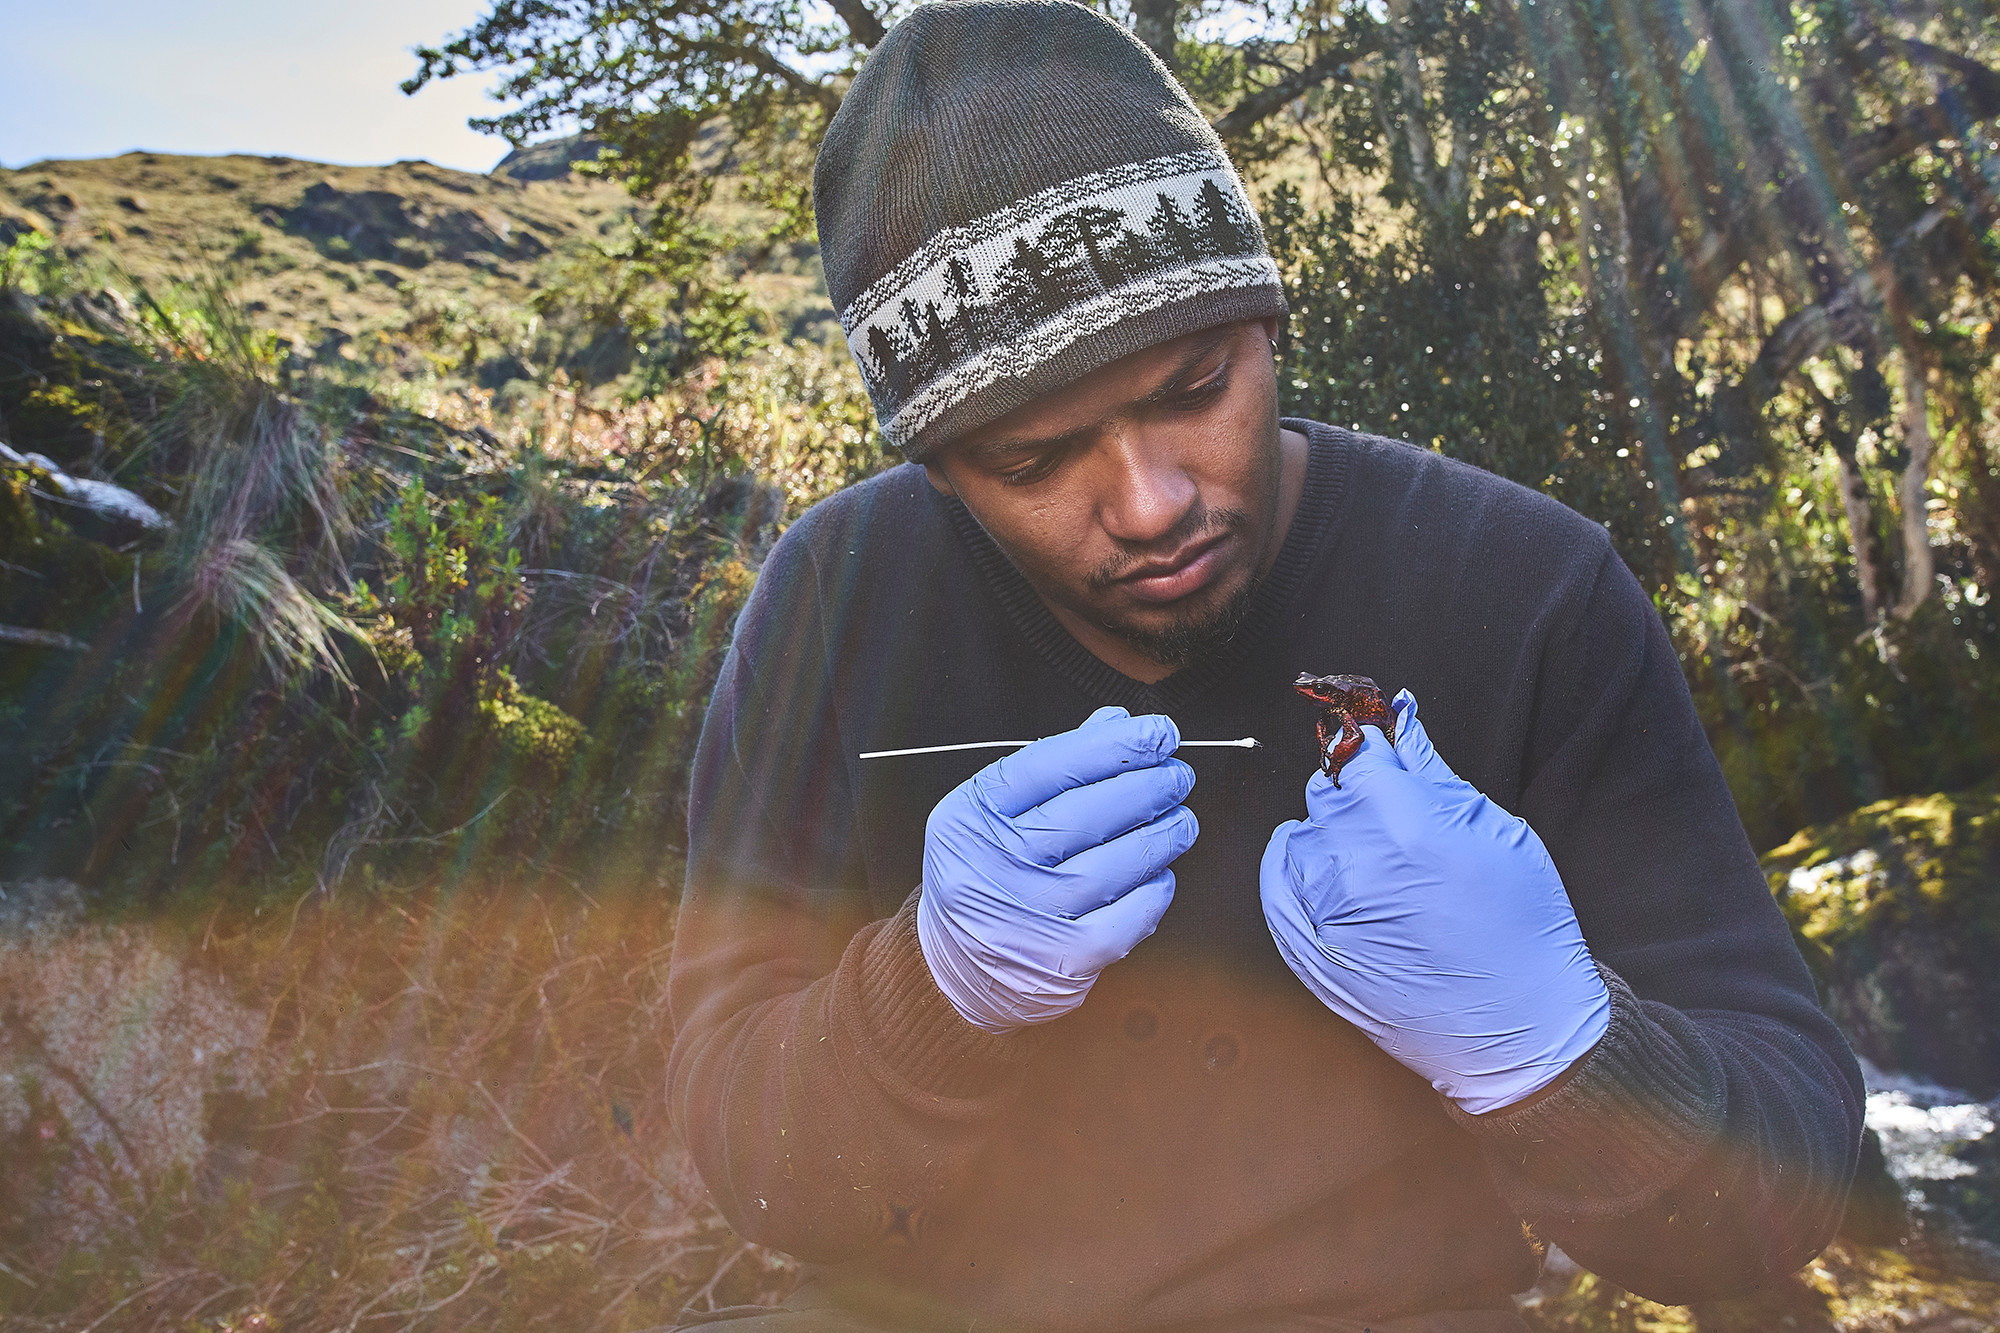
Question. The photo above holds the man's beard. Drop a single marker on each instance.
(1187, 639)
(1194, 635)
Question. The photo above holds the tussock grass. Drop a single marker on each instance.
(242, 582)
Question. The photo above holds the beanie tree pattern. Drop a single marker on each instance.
(1013, 194)
(1005, 294)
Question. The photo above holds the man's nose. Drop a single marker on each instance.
(1147, 490)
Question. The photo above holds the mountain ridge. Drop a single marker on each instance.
(327, 257)
(317, 253)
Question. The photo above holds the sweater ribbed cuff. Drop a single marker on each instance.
(914, 1030)
(1621, 1127)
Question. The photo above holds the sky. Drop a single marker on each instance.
(94, 78)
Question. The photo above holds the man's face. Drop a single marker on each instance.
(1143, 501)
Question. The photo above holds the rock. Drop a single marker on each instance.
(15, 225)
(1973, 1197)
(382, 225)
(28, 905)
(1876, 1213)
(1897, 908)
(549, 160)
(495, 371)
(52, 202)
(112, 1043)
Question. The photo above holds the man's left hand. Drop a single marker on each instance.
(1434, 921)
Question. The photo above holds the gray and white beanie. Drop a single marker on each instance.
(1013, 194)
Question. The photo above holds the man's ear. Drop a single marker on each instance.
(940, 482)
(1270, 323)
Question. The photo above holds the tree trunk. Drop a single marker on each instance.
(1979, 506)
(1416, 131)
(1605, 239)
(1913, 489)
(1153, 22)
(1860, 524)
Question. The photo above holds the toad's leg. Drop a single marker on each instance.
(1325, 740)
(1350, 745)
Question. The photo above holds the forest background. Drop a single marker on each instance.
(367, 554)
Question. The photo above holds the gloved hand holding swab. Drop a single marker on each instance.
(1047, 866)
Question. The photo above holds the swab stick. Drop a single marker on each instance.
(1247, 743)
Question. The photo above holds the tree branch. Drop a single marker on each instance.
(766, 63)
(1416, 132)
(1854, 502)
(1845, 316)
(861, 21)
(1976, 97)
(1245, 116)
(41, 638)
(1737, 409)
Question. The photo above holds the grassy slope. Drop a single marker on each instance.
(159, 216)
(322, 255)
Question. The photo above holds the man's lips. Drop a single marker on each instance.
(1184, 572)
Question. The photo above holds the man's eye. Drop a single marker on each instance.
(1202, 394)
(1032, 471)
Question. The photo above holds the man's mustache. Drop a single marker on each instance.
(1197, 524)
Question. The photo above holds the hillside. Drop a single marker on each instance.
(324, 256)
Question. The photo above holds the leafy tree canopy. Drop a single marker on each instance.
(1724, 274)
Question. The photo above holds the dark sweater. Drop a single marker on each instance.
(1202, 1143)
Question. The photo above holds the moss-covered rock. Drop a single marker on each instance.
(1897, 907)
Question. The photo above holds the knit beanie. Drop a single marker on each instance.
(1013, 194)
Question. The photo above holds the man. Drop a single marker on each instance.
(1094, 1036)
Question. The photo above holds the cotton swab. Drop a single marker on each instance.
(1247, 743)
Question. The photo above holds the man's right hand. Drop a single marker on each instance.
(1044, 868)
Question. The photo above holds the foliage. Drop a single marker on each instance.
(1468, 352)
(1668, 266)
(647, 303)
(374, 633)
(646, 78)
(1834, 881)
(1721, 277)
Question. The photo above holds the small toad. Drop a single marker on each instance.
(1348, 702)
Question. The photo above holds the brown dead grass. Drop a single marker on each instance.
(444, 1110)
(447, 1113)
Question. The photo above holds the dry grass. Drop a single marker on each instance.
(383, 1113)
(394, 1111)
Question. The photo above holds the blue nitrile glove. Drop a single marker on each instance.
(1434, 921)
(1043, 868)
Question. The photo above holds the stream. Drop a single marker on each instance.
(1922, 1124)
